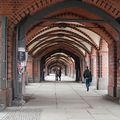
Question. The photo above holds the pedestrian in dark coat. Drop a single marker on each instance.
(88, 77)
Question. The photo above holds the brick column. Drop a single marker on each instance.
(112, 70)
(73, 69)
(36, 70)
(3, 60)
(42, 68)
(118, 69)
(94, 67)
(87, 60)
(29, 69)
(103, 66)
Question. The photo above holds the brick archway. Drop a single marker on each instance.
(20, 23)
(24, 26)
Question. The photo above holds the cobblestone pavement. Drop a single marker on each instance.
(63, 101)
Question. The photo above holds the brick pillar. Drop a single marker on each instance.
(29, 69)
(87, 60)
(77, 66)
(71, 65)
(3, 60)
(94, 67)
(11, 36)
(73, 69)
(118, 69)
(82, 68)
(103, 66)
(36, 70)
(112, 70)
(42, 69)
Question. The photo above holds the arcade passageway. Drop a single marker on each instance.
(39, 38)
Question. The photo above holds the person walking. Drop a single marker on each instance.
(59, 74)
(88, 77)
(56, 75)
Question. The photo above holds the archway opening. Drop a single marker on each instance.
(62, 29)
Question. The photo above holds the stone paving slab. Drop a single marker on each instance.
(63, 101)
(2, 115)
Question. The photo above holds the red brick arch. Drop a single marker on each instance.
(31, 7)
(18, 11)
(98, 29)
(24, 8)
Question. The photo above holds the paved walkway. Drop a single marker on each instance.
(63, 101)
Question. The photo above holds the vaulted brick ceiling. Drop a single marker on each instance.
(64, 33)
(60, 60)
(81, 38)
